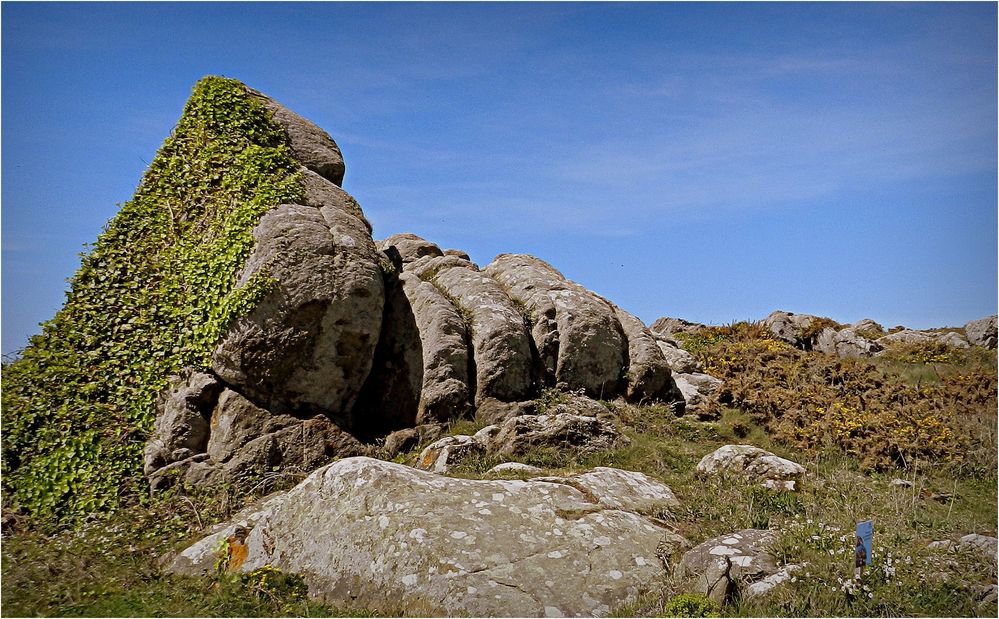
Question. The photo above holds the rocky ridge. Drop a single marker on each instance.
(357, 339)
(866, 338)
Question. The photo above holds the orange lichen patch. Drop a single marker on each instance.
(428, 459)
(237, 554)
(234, 551)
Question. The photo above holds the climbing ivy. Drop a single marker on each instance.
(153, 295)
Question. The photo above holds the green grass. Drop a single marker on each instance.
(110, 567)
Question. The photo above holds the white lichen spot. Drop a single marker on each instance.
(603, 540)
(742, 561)
(471, 590)
(723, 550)
(615, 574)
(383, 521)
(409, 580)
(418, 534)
(551, 611)
(555, 554)
(730, 540)
(498, 497)
(485, 512)
(640, 561)
(458, 534)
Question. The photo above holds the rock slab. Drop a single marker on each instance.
(383, 535)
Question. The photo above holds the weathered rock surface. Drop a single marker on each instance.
(206, 433)
(491, 410)
(501, 346)
(752, 462)
(515, 467)
(308, 345)
(648, 377)
(576, 404)
(666, 326)
(845, 343)
(679, 360)
(985, 544)
(522, 434)
(444, 454)
(982, 332)
(795, 329)
(428, 266)
(320, 193)
(236, 421)
(577, 336)
(519, 435)
(309, 144)
(300, 447)
(719, 566)
(772, 581)
(911, 336)
(458, 253)
(696, 388)
(409, 438)
(447, 377)
(372, 533)
(410, 247)
(628, 490)
(181, 429)
(868, 328)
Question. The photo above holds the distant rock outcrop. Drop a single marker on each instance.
(982, 332)
(383, 535)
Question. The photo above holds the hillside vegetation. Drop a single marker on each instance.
(152, 296)
(856, 426)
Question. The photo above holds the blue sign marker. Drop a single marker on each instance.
(862, 543)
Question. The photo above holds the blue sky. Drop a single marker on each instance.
(707, 161)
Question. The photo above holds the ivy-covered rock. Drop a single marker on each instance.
(154, 294)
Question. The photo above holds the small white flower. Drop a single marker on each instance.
(870, 595)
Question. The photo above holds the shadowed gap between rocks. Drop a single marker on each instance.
(390, 395)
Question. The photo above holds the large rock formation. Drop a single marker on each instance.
(382, 535)
(351, 340)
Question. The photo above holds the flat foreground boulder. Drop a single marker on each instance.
(380, 534)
